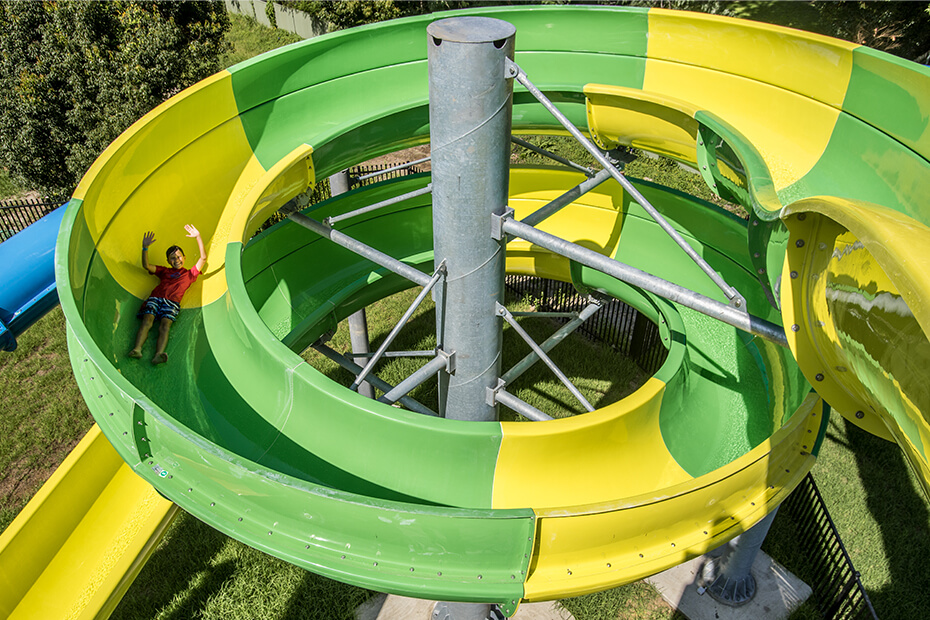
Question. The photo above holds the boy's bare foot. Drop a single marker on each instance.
(160, 358)
(135, 354)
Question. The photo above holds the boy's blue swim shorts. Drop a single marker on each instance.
(161, 308)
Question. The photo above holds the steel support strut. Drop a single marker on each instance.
(736, 300)
(358, 321)
(506, 225)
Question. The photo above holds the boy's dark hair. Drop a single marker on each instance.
(172, 250)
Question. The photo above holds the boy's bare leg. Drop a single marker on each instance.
(147, 321)
(164, 328)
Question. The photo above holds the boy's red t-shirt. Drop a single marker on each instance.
(173, 282)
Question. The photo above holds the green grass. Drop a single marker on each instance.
(636, 601)
(198, 572)
(248, 38)
(43, 413)
(582, 360)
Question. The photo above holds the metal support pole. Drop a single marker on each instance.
(370, 364)
(358, 322)
(379, 173)
(545, 358)
(527, 362)
(736, 299)
(442, 362)
(541, 151)
(384, 386)
(728, 578)
(470, 102)
(365, 251)
(470, 109)
(378, 205)
(566, 199)
(423, 353)
(648, 282)
(528, 411)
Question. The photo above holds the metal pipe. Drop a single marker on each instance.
(384, 386)
(400, 324)
(648, 282)
(523, 365)
(358, 322)
(520, 406)
(438, 363)
(545, 153)
(401, 354)
(547, 315)
(567, 198)
(380, 258)
(470, 103)
(502, 311)
(358, 338)
(378, 205)
(731, 293)
(409, 164)
(728, 578)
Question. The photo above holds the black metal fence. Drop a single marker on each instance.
(15, 215)
(837, 589)
(369, 169)
(322, 191)
(616, 324)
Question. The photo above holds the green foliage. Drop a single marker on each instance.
(351, 13)
(900, 28)
(270, 14)
(74, 75)
(8, 187)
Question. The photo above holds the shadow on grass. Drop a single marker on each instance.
(198, 572)
(902, 516)
(179, 569)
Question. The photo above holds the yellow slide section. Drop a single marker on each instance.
(858, 279)
(80, 542)
(791, 112)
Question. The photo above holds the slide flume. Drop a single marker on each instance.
(237, 430)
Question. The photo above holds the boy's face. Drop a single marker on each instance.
(176, 260)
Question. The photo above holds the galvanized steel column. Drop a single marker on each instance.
(470, 102)
(358, 322)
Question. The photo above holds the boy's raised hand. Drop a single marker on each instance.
(191, 231)
(148, 239)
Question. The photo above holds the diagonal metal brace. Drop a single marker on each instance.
(735, 298)
(505, 314)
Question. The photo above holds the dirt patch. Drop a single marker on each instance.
(402, 157)
(25, 476)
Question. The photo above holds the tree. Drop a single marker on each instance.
(74, 75)
(900, 28)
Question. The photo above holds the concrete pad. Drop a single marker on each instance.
(778, 592)
(403, 608)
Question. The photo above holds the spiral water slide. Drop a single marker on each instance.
(823, 142)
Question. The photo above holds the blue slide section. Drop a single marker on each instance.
(27, 277)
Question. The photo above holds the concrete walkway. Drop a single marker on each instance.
(391, 607)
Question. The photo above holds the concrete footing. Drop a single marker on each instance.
(778, 592)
